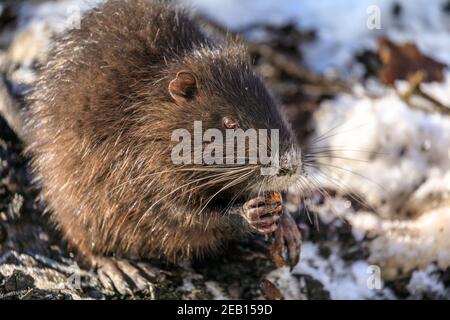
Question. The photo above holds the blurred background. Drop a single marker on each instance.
(366, 87)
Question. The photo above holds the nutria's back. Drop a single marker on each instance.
(99, 130)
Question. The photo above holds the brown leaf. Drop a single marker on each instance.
(400, 62)
(270, 291)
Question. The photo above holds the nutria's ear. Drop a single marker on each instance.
(184, 87)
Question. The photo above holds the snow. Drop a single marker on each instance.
(407, 173)
(216, 291)
(425, 282)
(375, 131)
(343, 280)
(58, 15)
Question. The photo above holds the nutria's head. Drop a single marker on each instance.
(214, 94)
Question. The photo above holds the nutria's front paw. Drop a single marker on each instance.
(263, 213)
(124, 276)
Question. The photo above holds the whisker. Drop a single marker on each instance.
(323, 135)
(174, 191)
(326, 195)
(319, 165)
(338, 133)
(342, 187)
(321, 150)
(303, 185)
(321, 156)
(229, 185)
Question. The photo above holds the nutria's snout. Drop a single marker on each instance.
(287, 171)
(291, 163)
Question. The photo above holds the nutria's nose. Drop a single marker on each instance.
(287, 171)
(290, 162)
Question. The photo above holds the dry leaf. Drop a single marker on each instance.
(400, 62)
(270, 291)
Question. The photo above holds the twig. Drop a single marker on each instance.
(281, 61)
(288, 65)
(415, 83)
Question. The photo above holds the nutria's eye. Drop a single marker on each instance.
(230, 123)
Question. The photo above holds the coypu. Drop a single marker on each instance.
(98, 128)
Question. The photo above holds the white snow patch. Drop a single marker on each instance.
(424, 282)
(405, 245)
(384, 149)
(58, 15)
(343, 280)
(215, 289)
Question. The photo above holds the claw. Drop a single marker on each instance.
(288, 235)
(124, 277)
(134, 274)
(276, 249)
(267, 221)
(111, 276)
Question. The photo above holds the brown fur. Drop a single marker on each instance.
(100, 123)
